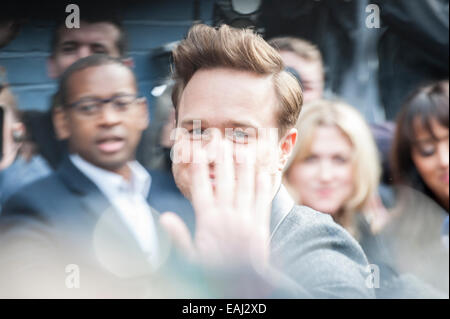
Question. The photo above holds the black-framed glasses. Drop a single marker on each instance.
(94, 106)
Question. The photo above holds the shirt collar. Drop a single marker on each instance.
(108, 181)
(282, 204)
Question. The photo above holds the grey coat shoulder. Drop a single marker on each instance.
(321, 255)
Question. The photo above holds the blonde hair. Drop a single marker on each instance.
(206, 47)
(366, 162)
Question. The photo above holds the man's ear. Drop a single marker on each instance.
(287, 145)
(52, 71)
(61, 123)
(144, 114)
(129, 62)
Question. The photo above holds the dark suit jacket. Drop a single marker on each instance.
(311, 255)
(65, 219)
(166, 197)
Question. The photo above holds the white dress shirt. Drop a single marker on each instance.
(129, 198)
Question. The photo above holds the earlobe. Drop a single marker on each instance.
(129, 62)
(287, 146)
(60, 123)
(145, 114)
(51, 68)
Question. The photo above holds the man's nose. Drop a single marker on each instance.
(84, 51)
(108, 116)
(214, 144)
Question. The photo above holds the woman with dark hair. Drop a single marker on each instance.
(420, 156)
(417, 232)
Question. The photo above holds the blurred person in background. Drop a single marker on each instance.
(98, 34)
(420, 155)
(306, 61)
(335, 167)
(18, 166)
(420, 161)
(305, 58)
(57, 220)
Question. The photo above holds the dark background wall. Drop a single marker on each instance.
(149, 24)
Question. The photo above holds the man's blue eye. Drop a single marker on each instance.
(197, 131)
(240, 134)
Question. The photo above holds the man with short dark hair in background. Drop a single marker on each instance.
(306, 60)
(93, 211)
(96, 35)
(99, 33)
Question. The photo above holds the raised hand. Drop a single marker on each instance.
(232, 203)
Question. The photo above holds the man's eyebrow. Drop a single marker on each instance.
(98, 44)
(228, 124)
(69, 42)
(74, 42)
(86, 98)
(188, 122)
(242, 124)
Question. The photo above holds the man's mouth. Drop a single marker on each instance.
(111, 144)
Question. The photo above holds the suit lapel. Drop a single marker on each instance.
(164, 242)
(102, 212)
(97, 206)
(282, 205)
(82, 187)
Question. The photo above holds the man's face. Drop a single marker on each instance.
(107, 139)
(74, 44)
(310, 72)
(223, 100)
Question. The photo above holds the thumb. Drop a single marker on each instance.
(178, 232)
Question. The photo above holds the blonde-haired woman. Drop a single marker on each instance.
(335, 169)
(335, 166)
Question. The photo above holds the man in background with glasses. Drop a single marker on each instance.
(93, 211)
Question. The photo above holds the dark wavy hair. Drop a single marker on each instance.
(425, 103)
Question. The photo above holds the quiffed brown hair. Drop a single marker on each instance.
(206, 47)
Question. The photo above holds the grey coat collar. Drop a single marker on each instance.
(282, 205)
